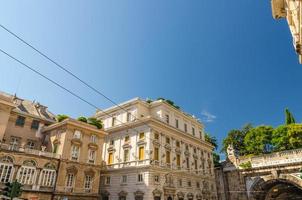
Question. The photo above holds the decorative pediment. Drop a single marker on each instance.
(122, 194)
(93, 146)
(111, 148)
(157, 193)
(168, 146)
(156, 143)
(139, 193)
(127, 146)
(76, 141)
(187, 153)
(90, 172)
(56, 141)
(72, 169)
(141, 142)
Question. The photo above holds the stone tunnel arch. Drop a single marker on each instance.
(278, 188)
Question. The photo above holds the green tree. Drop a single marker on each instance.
(280, 138)
(258, 140)
(289, 118)
(211, 139)
(13, 189)
(82, 119)
(62, 117)
(235, 138)
(95, 122)
(295, 136)
(216, 159)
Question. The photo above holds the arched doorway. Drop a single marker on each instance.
(285, 187)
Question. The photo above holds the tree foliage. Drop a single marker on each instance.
(258, 140)
(280, 138)
(82, 119)
(289, 118)
(212, 140)
(62, 117)
(95, 122)
(216, 159)
(13, 189)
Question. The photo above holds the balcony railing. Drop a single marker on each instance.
(28, 151)
(76, 190)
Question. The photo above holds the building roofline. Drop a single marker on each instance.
(70, 121)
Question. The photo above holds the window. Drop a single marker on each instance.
(128, 116)
(26, 175)
(193, 131)
(35, 124)
(195, 165)
(127, 138)
(200, 134)
(141, 153)
(113, 121)
(14, 143)
(186, 127)
(178, 160)
(48, 177)
(142, 136)
(156, 178)
(93, 139)
(6, 169)
(156, 136)
(140, 178)
(126, 155)
(197, 184)
(30, 144)
(70, 180)
(180, 182)
(88, 182)
(167, 140)
(189, 184)
(112, 142)
(178, 144)
(176, 123)
(124, 179)
(91, 156)
(156, 153)
(187, 147)
(167, 118)
(20, 121)
(110, 158)
(77, 134)
(107, 180)
(55, 148)
(188, 162)
(75, 151)
(194, 150)
(168, 159)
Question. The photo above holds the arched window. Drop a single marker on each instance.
(6, 169)
(27, 173)
(48, 176)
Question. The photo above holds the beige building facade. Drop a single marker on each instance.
(51, 160)
(155, 151)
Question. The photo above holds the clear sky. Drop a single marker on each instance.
(226, 62)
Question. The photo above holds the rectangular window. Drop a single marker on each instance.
(200, 134)
(167, 140)
(141, 153)
(178, 160)
(107, 180)
(197, 185)
(156, 178)
(128, 116)
(91, 156)
(126, 155)
(140, 178)
(193, 131)
(186, 127)
(30, 144)
(111, 142)
(141, 135)
(127, 138)
(75, 151)
(189, 184)
(156, 153)
(113, 121)
(70, 180)
(35, 124)
(93, 139)
(156, 136)
(110, 158)
(195, 165)
(167, 119)
(124, 179)
(168, 159)
(77, 134)
(178, 144)
(176, 123)
(6, 172)
(188, 162)
(88, 182)
(180, 182)
(20, 121)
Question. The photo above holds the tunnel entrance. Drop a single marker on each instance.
(284, 191)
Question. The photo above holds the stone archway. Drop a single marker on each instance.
(285, 186)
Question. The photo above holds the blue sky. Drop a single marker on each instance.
(227, 62)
